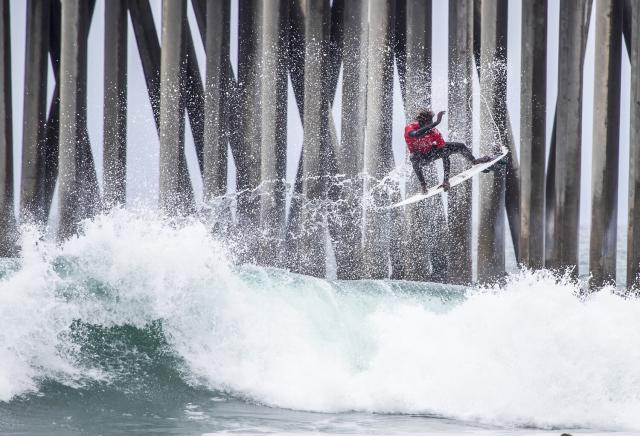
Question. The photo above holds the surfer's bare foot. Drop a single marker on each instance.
(483, 159)
(424, 189)
(445, 186)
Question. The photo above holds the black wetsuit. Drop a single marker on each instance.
(418, 160)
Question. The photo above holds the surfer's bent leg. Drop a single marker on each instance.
(417, 162)
(459, 148)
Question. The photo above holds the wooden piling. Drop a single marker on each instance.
(533, 132)
(606, 134)
(115, 103)
(215, 146)
(32, 207)
(175, 197)
(378, 158)
(460, 90)
(272, 77)
(77, 183)
(350, 152)
(633, 235)
(493, 88)
(8, 234)
(574, 19)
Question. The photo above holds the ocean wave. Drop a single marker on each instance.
(134, 302)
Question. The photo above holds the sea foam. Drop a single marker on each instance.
(532, 353)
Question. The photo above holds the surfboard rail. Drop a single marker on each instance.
(453, 181)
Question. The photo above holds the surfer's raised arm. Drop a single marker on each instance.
(423, 130)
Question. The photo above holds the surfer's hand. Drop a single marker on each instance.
(440, 114)
(445, 186)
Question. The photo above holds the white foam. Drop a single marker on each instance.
(530, 354)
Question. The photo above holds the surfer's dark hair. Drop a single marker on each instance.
(425, 115)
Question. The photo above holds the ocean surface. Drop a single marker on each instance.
(144, 327)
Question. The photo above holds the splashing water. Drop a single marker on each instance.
(530, 354)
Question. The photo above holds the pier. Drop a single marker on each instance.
(337, 205)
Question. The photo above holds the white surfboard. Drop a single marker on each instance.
(453, 181)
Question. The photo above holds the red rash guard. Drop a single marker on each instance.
(423, 144)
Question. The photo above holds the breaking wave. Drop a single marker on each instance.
(135, 303)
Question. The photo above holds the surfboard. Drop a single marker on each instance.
(453, 181)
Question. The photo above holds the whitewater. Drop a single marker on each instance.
(156, 316)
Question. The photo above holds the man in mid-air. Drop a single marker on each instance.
(426, 144)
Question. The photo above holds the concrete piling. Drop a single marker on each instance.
(533, 132)
(460, 112)
(77, 182)
(574, 19)
(493, 133)
(378, 158)
(215, 146)
(350, 150)
(8, 234)
(175, 188)
(115, 103)
(32, 206)
(633, 235)
(606, 133)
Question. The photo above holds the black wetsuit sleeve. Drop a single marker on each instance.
(424, 130)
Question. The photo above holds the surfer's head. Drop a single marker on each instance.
(424, 116)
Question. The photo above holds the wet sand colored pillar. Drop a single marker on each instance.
(460, 113)
(174, 195)
(215, 146)
(633, 236)
(273, 75)
(574, 19)
(77, 184)
(533, 132)
(606, 135)
(493, 133)
(312, 238)
(8, 235)
(350, 151)
(34, 112)
(115, 103)
(378, 157)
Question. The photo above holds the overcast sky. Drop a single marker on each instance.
(143, 141)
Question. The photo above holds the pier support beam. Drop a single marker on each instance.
(350, 151)
(115, 103)
(606, 134)
(312, 238)
(533, 132)
(78, 188)
(8, 235)
(215, 144)
(378, 157)
(460, 90)
(423, 259)
(633, 236)
(32, 207)
(273, 62)
(493, 133)
(249, 117)
(574, 22)
(176, 196)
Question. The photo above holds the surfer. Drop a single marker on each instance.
(426, 144)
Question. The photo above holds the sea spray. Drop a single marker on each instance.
(532, 353)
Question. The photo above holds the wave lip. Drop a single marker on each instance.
(530, 354)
